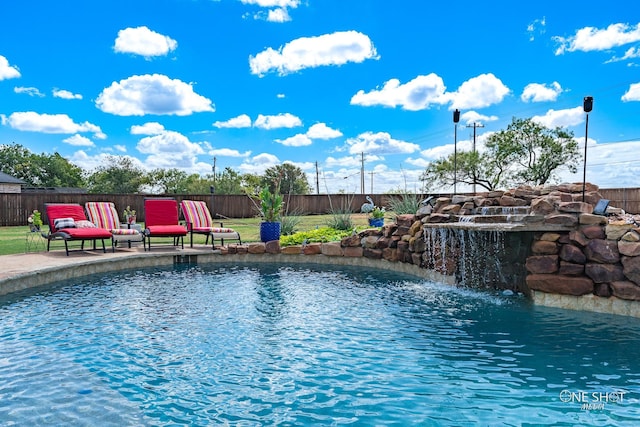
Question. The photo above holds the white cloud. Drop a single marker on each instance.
(149, 128)
(241, 121)
(633, 94)
(228, 152)
(282, 120)
(322, 131)
(90, 163)
(121, 148)
(417, 94)
(536, 27)
(50, 123)
(79, 140)
(379, 143)
(7, 71)
(478, 92)
(151, 94)
(169, 143)
(537, 92)
(65, 94)
(348, 161)
(142, 41)
(306, 52)
(258, 164)
(470, 117)
(631, 53)
(31, 91)
(589, 38)
(563, 118)
(278, 15)
(299, 140)
(273, 3)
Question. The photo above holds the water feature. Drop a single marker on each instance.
(264, 345)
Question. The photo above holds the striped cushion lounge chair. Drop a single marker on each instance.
(199, 221)
(105, 215)
(161, 220)
(68, 222)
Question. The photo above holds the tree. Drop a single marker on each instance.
(290, 178)
(229, 182)
(118, 175)
(168, 181)
(39, 170)
(525, 153)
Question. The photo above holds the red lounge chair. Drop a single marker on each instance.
(199, 221)
(68, 222)
(105, 215)
(161, 220)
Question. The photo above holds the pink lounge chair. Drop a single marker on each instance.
(105, 215)
(199, 221)
(161, 220)
(68, 222)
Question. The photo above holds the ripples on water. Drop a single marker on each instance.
(270, 345)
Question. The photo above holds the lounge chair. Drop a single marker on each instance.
(68, 222)
(105, 215)
(199, 221)
(161, 220)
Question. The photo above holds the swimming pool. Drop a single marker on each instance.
(306, 345)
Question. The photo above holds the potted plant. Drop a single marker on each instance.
(129, 215)
(376, 217)
(271, 211)
(35, 220)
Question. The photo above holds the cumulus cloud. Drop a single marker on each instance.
(299, 140)
(537, 92)
(633, 94)
(8, 71)
(478, 92)
(322, 131)
(79, 140)
(31, 91)
(149, 128)
(241, 121)
(347, 161)
(228, 152)
(282, 120)
(258, 164)
(417, 94)
(594, 39)
(306, 52)
(469, 117)
(142, 41)
(631, 53)
(152, 94)
(171, 149)
(279, 13)
(50, 123)
(65, 94)
(379, 143)
(562, 118)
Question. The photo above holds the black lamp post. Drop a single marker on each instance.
(456, 119)
(587, 106)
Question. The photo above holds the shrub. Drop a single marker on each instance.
(406, 204)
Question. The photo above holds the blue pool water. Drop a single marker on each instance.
(305, 345)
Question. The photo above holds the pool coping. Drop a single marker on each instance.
(31, 270)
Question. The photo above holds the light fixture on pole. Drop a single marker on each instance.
(587, 106)
(456, 119)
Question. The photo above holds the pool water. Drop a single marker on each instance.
(306, 345)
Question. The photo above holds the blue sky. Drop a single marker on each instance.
(255, 83)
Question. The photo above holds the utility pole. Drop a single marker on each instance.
(371, 188)
(317, 179)
(362, 173)
(214, 171)
(474, 126)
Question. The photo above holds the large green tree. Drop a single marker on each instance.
(118, 175)
(290, 179)
(525, 153)
(39, 170)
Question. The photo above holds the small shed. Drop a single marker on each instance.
(9, 184)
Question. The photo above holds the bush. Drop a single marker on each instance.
(319, 235)
(289, 224)
(407, 203)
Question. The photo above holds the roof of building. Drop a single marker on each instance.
(8, 179)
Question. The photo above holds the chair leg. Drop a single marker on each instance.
(66, 247)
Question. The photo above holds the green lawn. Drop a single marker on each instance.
(12, 239)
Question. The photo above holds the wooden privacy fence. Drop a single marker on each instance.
(15, 208)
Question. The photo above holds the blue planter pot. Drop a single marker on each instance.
(269, 231)
(376, 222)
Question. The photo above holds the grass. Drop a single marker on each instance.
(12, 239)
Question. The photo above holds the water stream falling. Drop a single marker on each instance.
(478, 257)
